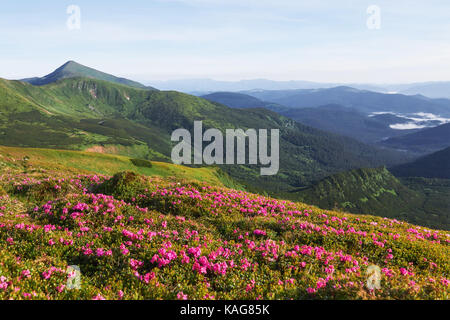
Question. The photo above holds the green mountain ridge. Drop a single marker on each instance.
(72, 69)
(376, 191)
(240, 100)
(435, 165)
(82, 113)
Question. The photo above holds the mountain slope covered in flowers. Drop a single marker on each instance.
(140, 237)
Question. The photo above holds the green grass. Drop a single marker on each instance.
(150, 238)
(106, 164)
(435, 165)
(378, 192)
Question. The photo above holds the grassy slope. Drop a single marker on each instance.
(437, 196)
(249, 247)
(76, 97)
(71, 114)
(435, 165)
(106, 164)
(377, 191)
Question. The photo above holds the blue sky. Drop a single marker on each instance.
(326, 41)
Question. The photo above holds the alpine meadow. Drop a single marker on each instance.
(194, 166)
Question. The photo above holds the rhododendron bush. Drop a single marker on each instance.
(136, 237)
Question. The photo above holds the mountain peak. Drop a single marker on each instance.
(73, 69)
(71, 63)
(344, 89)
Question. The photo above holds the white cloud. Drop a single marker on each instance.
(407, 126)
(418, 120)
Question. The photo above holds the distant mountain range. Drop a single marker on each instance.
(72, 69)
(241, 100)
(361, 100)
(236, 100)
(356, 119)
(429, 89)
(424, 141)
(205, 86)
